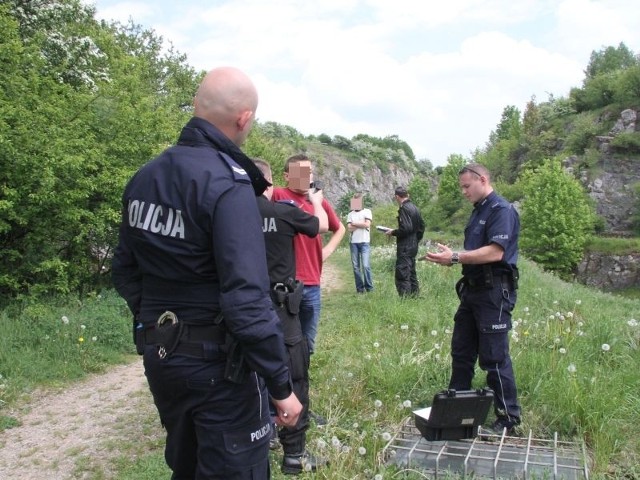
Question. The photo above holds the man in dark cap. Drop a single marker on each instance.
(408, 234)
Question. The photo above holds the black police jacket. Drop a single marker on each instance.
(191, 242)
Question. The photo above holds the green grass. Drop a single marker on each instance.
(376, 353)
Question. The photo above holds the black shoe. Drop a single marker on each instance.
(318, 419)
(501, 423)
(301, 462)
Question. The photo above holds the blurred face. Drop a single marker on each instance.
(474, 187)
(299, 176)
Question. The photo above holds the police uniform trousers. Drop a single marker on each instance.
(293, 439)
(216, 429)
(481, 332)
(405, 271)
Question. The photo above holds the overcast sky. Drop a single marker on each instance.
(436, 73)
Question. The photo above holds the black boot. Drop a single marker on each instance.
(294, 464)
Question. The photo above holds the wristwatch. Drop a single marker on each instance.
(455, 258)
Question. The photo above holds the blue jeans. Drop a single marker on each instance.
(361, 266)
(310, 313)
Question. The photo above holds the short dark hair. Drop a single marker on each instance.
(300, 157)
(477, 169)
(401, 192)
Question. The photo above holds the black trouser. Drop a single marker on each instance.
(405, 273)
(293, 439)
(481, 333)
(215, 429)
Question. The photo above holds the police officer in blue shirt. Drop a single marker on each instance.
(191, 265)
(487, 293)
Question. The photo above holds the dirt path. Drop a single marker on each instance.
(60, 430)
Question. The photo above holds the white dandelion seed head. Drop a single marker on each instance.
(367, 356)
(355, 426)
(374, 414)
(555, 302)
(83, 327)
(447, 331)
(632, 323)
(404, 327)
(551, 317)
(321, 444)
(437, 356)
(562, 350)
(94, 339)
(569, 314)
(345, 449)
(578, 302)
(334, 379)
(567, 330)
(308, 467)
(386, 436)
(558, 314)
(434, 332)
(406, 404)
(525, 309)
(65, 319)
(581, 324)
(556, 340)
(377, 477)
(437, 346)
(580, 333)
(350, 374)
(362, 451)
(606, 347)
(516, 323)
(377, 403)
(335, 441)
(376, 344)
(572, 368)
(562, 318)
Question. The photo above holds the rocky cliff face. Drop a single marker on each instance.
(612, 181)
(342, 177)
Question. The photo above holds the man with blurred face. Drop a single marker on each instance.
(310, 252)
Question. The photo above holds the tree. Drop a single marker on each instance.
(610, 60)
(557, 218)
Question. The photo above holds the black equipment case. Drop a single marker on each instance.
(454, 414)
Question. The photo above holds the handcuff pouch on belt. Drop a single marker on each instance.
(289, 294)
(168, 332)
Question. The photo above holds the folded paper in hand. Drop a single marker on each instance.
(383, 229)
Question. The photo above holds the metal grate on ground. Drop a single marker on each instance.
(488, 456)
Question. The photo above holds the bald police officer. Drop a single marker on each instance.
(196, 280)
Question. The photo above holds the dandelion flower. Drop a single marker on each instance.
(335, 442)
(346, 449)
(65, 319)
(362, 451)
(437, 357)
(406, 404)
(562, 350)
(556, 340)
(367, 357)
(376, 344)
(578, 302)
(94, 339)
(605, 347)
(374, 414)
(572, 368)
(386, 436)
(434, 332)
(552, 317)
(378, 477)
(350, 374)
(569, 314)
(632, 323)
(308, 467)
(83, 327)
(525, 309)
(81, 339)
(321, 444)
(447, 331)
(377, 403)
(404, 327)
